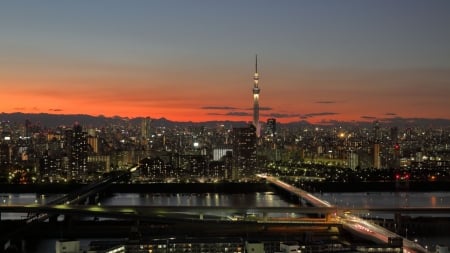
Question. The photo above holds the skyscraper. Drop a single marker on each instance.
(376, 145)
(271, 127)
(145, 128)
(244, 151)
(256, 91)
(376, 156)
(76, 145)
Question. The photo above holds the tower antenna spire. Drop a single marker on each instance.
(256, 64)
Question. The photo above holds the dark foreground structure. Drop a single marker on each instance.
(138, 233)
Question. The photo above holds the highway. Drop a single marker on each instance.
(353, 224)
(331, 215)
(143, 210)
(313, 200)
(75, 197)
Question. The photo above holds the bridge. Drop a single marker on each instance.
(319, 213)
(37, 215)
(351, 223)
(264, 213)
(176, 216)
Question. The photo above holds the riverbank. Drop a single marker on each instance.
(393, 186)
(143, 188)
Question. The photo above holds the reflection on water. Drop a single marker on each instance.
(255, 199)
(388, 199)
(258, 199)
(26, 198)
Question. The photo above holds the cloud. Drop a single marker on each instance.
(368, 117)
(35, 108)
(326, 102)
(218, 108)
(316, 114)
(236, 114)
(260, 108)
(282, 115)
(264, 108)
(230, 111)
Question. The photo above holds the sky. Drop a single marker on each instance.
(193, 60)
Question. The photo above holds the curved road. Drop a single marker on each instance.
(352, 223)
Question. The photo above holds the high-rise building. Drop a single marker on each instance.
(394, 135)
(219, 153)
(256, 91)
(376, 156)
(394, 145)
(27, 128)
(145, 128)
(376, 145)
(353, 160)
(93, 143)
(76, 141)
(244, 151)
(271, 127)
(376, 132)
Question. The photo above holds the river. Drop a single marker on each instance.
(254, 199)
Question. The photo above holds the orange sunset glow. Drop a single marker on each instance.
(196, 63)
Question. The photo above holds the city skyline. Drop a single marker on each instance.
(194, 60)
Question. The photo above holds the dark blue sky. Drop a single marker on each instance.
(176, 58)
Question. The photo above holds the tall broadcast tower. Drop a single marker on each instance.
(256, 91)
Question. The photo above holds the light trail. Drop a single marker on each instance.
(352, 223)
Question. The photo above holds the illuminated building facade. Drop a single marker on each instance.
(271, 127)
(353, 160)
(145, 128)
(244, 151)
(76, 141)
(376, 156)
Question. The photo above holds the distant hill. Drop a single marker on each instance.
(386, 122)
(54, 120)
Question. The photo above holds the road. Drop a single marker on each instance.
(71, 198)
(352, 223)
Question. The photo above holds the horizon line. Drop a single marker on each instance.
(322, 122)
